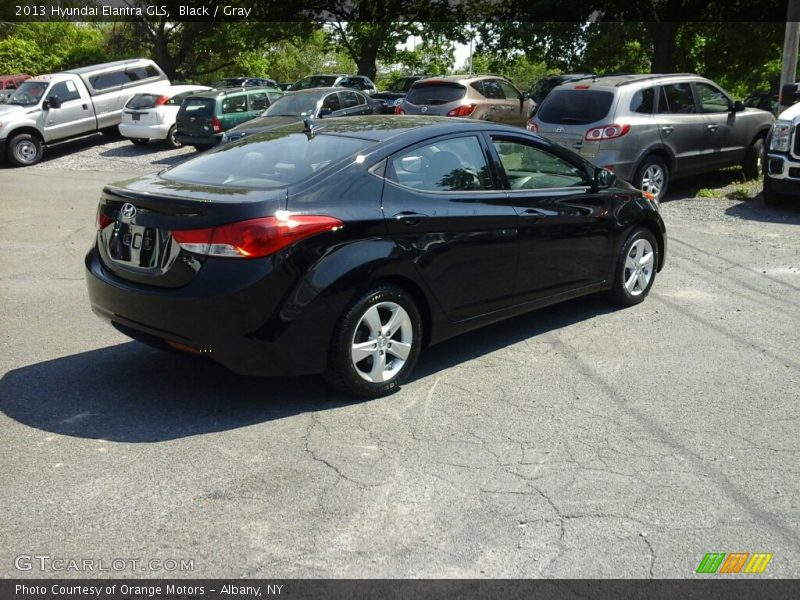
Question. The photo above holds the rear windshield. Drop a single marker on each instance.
(140, 101)
(436, 93)
(575, 107)
(198, 107)
(268, 160)
(315, 81)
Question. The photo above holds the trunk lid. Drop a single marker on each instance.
(196, 116)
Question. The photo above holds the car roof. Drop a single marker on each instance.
(623, 80)
(248, 89)
(320, 91)
(173, 90)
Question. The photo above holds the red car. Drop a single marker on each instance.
(9, 84)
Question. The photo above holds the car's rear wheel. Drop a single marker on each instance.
(201, 148)
(24, 150)
(375, 344)
(652, 176)
(140, 141)
(636, 268)
(753, 160)
(171, 140)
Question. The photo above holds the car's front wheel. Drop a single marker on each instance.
(375, 344)
(636, 268)
(652, 177)
(171, 140)
(752, 165)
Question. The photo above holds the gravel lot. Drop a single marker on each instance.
(576, 441)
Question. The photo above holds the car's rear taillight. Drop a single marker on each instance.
(398, 110)
(606, 132)
(216, 125)
(532, 126)
(161, 101)
(102, 220)
(462, 111)
(254, 238)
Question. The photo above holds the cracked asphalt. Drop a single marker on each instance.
(576, 441)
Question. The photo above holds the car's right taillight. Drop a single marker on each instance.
(254, 238)
(781, 135)
(606, 132)
(532, 126)
(398, 110)
(161, 100)
(216, 125)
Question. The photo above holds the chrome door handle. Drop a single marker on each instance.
(712, 127)
(667, 128)
(410, 218)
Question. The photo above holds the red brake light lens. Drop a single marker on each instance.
(606, 132)
(462, 111)
(254, 238)
(398, 110)
(532, 126)
(216, 125)
(162, 100)
(102, 220)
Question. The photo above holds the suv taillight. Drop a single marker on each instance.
(532, 126)
(462, 111)
(606, 132)
(254, 238)
(398, 110)
(216, 125)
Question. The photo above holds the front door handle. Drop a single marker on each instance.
(410, 218)
(712, 127)
(667, 128)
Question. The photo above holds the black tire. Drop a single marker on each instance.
(633, 248)
(752, 160)
(24, 150)
(171, 141)
(140, 141)
(652, 176)
(351, 376)
(201, 148)
(112, 131)
(771, 197)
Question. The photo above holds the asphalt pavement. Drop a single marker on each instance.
(577, 441)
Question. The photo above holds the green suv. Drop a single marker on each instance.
(203, 117)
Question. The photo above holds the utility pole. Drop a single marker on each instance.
(791, 44)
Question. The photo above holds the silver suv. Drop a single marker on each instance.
(650, 129)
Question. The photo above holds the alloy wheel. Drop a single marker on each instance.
(382, 342)
(639, 265)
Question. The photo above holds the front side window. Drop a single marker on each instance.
(235, 104)
(509, 91)
(332, 101)
(677, 99)
(712, 99)
(259, 101)
(451, 165)
(528, 167)
(66, 91)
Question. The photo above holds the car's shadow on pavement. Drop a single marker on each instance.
(132, 393)
(756, 210)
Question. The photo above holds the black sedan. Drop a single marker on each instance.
(345, 246)
(316, 103)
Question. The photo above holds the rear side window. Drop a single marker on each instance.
(105, 81)
(177, 99)
(575, 107)
(139, 73)
(276, 160)
(493, 90)
(644, 101)
(198, 107)
(676, 99)
(436, 93)
(234, 104)
(259, 101)
(351, 99)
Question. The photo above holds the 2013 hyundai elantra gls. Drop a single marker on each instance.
(344, 247)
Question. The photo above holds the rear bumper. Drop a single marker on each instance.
(150, 132)
(199, 140)
(234, 318)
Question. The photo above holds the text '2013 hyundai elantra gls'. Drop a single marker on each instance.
(344, 247)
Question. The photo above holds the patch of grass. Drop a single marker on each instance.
(707, 193)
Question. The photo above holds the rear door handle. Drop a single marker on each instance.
(533, 212)
(712, 127)
(667, 128)
(410, 218)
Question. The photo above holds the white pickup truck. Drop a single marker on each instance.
(782, 156)
(51, 108)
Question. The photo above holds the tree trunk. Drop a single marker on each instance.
(663, 34)
(367, 62)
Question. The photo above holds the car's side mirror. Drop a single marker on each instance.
(738, 106)
(789, 94)
(324, 112)
(526, 96)
(52, 102)
(603, 179)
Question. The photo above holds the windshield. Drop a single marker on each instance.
(293, 105)
(29, 93)
(267, 160)
(315, 81)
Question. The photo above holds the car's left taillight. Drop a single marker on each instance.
(606, 132)
(254, 238)
(462, 111)
(102, 220)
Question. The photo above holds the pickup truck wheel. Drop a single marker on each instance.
(24, 150)
(172, 142)
(140, 141)
(753, 160)
(771, 197)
